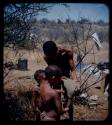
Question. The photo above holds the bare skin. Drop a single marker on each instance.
(49, 96)
(60, 51)
(37, 101)
(51, 99)
(45, 98)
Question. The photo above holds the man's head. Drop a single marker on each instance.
(39, 75)
(53, 74)
(49, 48)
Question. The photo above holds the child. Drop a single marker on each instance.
(49, 108)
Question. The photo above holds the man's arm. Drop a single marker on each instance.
(71, 62)
(59, 91)
(72, 65)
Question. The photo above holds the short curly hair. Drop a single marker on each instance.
(39, 75)
(49, 48)
(53, 71)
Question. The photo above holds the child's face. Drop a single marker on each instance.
(40, 77)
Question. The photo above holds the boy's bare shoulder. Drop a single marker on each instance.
(53, 93)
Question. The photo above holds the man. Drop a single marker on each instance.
(60, 57)
(50, 108)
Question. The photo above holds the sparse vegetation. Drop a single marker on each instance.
(20, 23)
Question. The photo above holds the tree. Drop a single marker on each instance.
(59, 21)
(83, 21)
(45, 21)
(17, 19)
(100, 22)
(68, 20)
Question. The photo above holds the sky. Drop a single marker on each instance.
(94, 12)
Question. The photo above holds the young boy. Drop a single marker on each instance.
(45, 98)
(39, 75)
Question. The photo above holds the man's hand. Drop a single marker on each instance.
(63, 77)
(66, 109)
(73, 75)
(60, 91)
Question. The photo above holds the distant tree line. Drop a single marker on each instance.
(68, 20)
(20, 21)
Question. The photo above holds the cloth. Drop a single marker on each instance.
(45, 117)
(71, 86)
(38, 110)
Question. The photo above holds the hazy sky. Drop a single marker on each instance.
(93, 12)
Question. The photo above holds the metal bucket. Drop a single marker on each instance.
(22, 64)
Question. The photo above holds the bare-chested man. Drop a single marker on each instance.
(63, 58)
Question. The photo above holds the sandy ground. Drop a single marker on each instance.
(17, 81)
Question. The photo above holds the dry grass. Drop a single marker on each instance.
(86, 114)
(19, 85)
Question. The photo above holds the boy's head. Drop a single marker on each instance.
(49, 48)
(39, 75)
(53, 74)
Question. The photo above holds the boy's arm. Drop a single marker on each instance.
(34, 100)
(57, 101)
(35, 93)
(58, 104)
